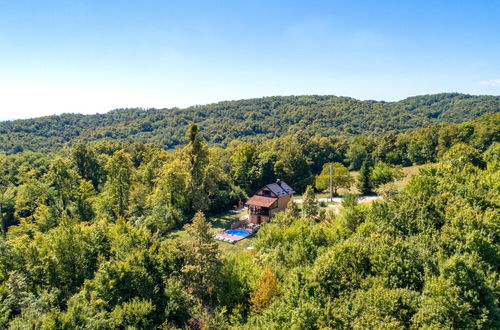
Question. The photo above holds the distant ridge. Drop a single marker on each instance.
(248, 120)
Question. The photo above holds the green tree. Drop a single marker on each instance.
(87, 164)
(266, 291)
(355, 155)
(422, 145)
(169, 201)
(4, 183)
(387, 149)
(243, 160)
(342, 267)
(119, 182)
(196, 157)
(135, 314)
(461, 155)
(29, 197)
(383, 173)
(352, 215)
(364, 178)
(376, 308)
(201, 259)
(293, 168)
(460, 298)
(70, 196)
(320, 150)
(310, 207)
(340, 178)
(292, 210)
(398, 262)
(264, 169)
(64, 182)
(360, 149)
(349, 200)
(84, 198)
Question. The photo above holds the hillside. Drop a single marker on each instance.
(120, 236)
(248, 120)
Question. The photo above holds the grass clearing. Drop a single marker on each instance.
(408, 171)
(219, 223)
(222, 222)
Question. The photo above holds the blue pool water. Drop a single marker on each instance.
(237, 232)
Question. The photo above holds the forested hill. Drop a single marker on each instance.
(248, 120)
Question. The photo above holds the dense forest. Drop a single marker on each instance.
(252, 120)
(89, 228)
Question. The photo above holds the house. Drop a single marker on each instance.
(268, 200)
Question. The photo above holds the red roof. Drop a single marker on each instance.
(261, 201)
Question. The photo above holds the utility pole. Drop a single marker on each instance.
(331, 183)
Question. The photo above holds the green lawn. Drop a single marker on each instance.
(223, 221)
(219, 223)
(409, 172)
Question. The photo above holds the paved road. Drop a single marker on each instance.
(361, 199)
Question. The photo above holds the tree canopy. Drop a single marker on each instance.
(114, 234)
(251, 120)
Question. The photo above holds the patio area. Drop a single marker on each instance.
(239, 230)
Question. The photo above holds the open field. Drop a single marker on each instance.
(408, 171)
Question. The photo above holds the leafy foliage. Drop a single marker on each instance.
(90, 235)
(310, 207)
(340, 178)
(249, 120)
(422, 260)
(265, 292)
(365, 183)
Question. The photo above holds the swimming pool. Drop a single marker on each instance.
(236, 232)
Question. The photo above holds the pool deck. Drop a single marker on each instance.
(241, 226)
(229, 235)
(223, 236)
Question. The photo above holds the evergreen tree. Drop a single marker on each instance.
(196, 157)
(292, 210)
(364, 178)
(201, 258)
(310, 207)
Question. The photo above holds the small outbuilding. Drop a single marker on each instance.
(268, 200)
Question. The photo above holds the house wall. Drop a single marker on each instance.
(238, 224)
(282, 203)
(254, 218)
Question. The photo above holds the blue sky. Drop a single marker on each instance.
(94, 56)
